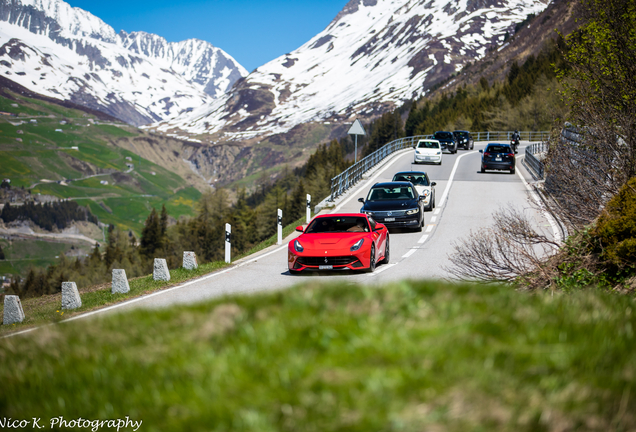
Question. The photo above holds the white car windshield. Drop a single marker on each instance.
(428, 144)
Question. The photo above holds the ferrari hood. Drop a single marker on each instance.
(329, 241)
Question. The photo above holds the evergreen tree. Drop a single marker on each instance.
(1, 253)
(151, 235)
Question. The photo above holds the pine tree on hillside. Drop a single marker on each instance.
(151, 235)
(1, 253)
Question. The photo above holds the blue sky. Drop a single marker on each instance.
(252, 31)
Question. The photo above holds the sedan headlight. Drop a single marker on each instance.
(425, 193)
(438, 153)
(357, 245)
(413, 211)
(370, 213)
(298, 246)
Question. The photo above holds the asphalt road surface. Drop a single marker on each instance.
(465, 201)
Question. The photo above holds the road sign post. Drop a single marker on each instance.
(308, 207)
(228, 243)
(280, 227)
(356, 129)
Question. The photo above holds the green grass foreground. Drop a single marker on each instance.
(414, 356)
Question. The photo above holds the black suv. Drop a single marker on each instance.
(395, 204)
(446, 140)
(497, 157)
(464, 139)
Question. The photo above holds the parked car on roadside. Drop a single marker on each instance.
(446, 140)
(497, 157)
(428, 150)
(395, 204)
(422, 184)
(464, 139)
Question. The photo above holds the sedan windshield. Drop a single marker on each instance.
(416, 179)
(498, 149)
(443, 135)
(462, 134)
(428, 144)
(338, 224)
(391, 193)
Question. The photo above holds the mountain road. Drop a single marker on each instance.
(465, 202)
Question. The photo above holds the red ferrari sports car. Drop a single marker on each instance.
(351, 241)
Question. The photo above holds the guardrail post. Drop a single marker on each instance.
(190, 260)
(160, 270)
(309, 207)
(280, 227)
(228, 243)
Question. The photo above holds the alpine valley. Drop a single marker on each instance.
(374, 56)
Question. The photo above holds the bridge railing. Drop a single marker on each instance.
(350, 176)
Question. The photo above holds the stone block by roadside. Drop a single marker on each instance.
(70, 296)
(161, 271)
(190, 261)
(120, 282)
(13, 312)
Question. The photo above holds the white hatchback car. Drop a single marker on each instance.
(428, 150)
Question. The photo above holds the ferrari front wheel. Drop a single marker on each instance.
(387, 252)
(371, 268)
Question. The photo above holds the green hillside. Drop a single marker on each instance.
(120, 187)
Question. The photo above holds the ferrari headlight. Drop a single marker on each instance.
(298, 246)
(357, 245)
(413, 211)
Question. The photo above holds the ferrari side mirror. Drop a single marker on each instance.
(300, 229)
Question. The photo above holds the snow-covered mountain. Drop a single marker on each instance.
(374, 55)
(64, 52)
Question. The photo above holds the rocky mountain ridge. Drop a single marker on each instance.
(68, 53)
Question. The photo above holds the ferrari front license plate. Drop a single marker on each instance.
(389, 219)
(325, 267)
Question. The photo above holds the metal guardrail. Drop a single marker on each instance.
(350, 176)
(535, 162)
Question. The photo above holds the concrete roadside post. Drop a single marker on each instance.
(160, 271)
(228, 243)
(190, 260)
(308, 208)
(120, 282)
(70, 296)
(13, 312)
(280, 227)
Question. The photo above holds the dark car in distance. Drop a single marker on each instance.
(395, 204)
(447, 140)
(497, 157)
(464, 139)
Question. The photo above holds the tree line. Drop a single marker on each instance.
(59, 214)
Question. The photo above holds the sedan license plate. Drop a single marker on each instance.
(389, 219)
(325, 267)
(497, 159)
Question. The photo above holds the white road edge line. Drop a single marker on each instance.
(433, 219)
(429, 228)
(546, 214)
(381, 269)
(450, 179)
(423, 239)
(409, 253)
(436, 212)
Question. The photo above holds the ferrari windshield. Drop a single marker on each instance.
(416, 179)
(387, 193)
(338, 224)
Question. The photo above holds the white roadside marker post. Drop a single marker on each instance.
(280, 227)
(308, 207)
(228, 243)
